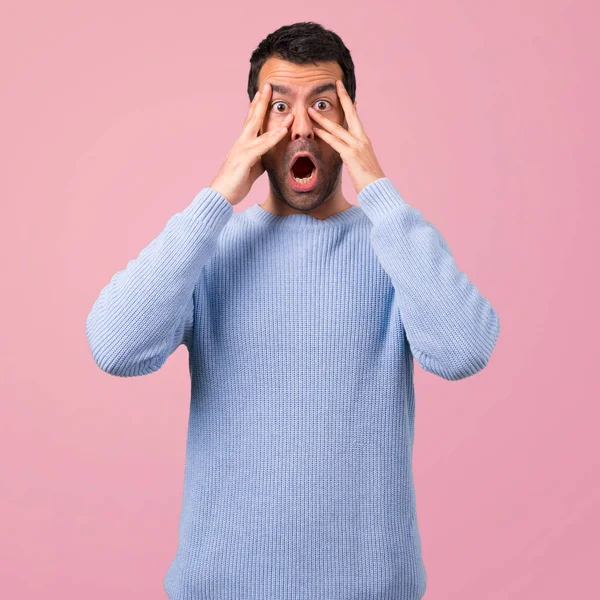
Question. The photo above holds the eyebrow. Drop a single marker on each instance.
(286, 91)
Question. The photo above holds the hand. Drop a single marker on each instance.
(352, 144)
(243, 165)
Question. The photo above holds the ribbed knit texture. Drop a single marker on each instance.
(301, 335)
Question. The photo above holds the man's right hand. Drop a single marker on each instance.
(243, 165)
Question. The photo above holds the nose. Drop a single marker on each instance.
(302, 125)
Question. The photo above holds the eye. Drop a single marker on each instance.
(322, 101)
(278, 103)
(281, 103)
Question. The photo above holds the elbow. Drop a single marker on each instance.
(451, 368)
(120, 366)
(463, 360)
(115, 360)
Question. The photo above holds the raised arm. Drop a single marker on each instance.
(451, 328)
(147, 309)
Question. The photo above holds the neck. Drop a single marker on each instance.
(333, 204)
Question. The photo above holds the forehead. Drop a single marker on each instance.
(298, 78)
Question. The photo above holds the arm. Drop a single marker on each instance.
(451, 328)
(147, 309)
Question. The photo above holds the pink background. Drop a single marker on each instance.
(484, 115)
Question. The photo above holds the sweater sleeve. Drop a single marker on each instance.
(451, 328)
(147, 309)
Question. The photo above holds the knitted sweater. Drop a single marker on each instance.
(301, 335)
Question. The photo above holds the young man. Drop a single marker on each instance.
(302, 316)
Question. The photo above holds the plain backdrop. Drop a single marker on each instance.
(114, 115)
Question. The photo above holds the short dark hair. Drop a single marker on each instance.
(303, 43)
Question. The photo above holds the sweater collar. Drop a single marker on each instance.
(301, 221)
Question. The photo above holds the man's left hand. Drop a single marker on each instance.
(352, 144)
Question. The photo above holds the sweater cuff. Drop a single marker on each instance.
(379, 198)
(209, 210)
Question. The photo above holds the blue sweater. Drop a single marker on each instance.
(301, 336)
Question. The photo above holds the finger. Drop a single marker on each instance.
(270, 138)
(354, 124)
(333, 141)
(251, 109)
(337, 130)
(258, 115)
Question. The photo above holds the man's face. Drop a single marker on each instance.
(301, 81)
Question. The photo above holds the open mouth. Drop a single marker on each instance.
(303, 169)
(303, 173)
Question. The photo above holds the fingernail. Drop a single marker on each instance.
(265, 87)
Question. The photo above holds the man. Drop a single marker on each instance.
(302, 316)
